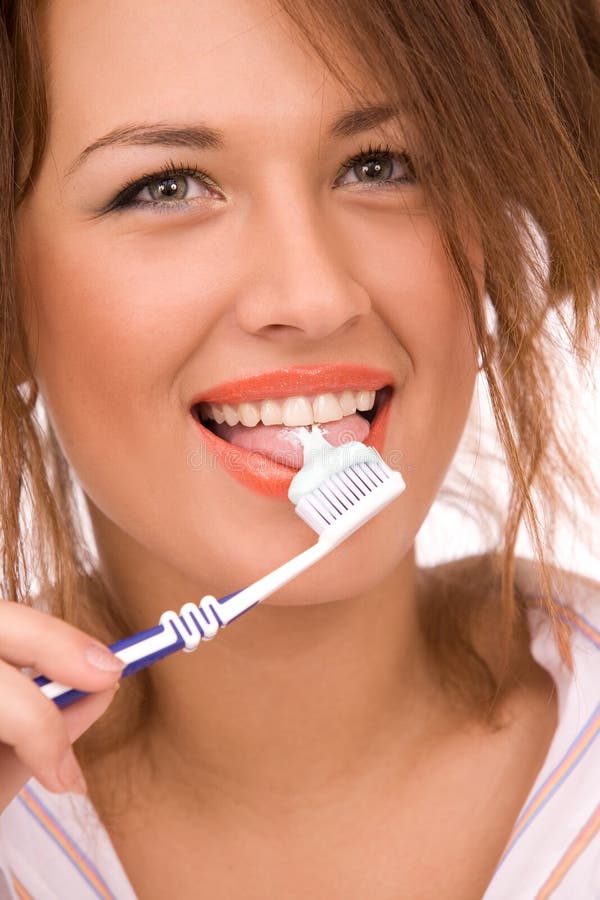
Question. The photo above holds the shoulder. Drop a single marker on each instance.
(567, 586)
(475, 581)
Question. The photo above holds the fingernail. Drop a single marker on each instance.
(70, 774)
(101, 658)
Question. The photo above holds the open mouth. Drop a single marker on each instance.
(292, 412)
(256, 441)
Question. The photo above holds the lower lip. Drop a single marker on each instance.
(264, 475)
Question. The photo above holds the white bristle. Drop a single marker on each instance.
(370, 474)
(334, 497)
(356, 481)
(349, 485)
(347, 499)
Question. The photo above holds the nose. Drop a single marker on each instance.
(298, 280)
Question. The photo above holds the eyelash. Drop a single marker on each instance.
(125, 198)
(384, 152)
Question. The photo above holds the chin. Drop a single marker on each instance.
(354, 569)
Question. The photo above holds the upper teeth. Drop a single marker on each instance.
(290, 410)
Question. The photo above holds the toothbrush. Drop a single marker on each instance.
(333, 499)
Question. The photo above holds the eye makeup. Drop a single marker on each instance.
(377, 157)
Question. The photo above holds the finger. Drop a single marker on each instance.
(14, 773)
(34, 726)
(60, 651)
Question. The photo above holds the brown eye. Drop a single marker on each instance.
(179, 187)
(375, 168)
(172, 188)
(379, 166)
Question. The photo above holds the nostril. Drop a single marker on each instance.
(276, 330)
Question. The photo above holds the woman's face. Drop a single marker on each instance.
(240, 257)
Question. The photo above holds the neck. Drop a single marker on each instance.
(292, 703)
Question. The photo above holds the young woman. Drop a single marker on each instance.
(269, 208)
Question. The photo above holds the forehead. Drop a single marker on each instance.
(115, 61)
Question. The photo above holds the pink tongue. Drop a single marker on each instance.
(281, 444)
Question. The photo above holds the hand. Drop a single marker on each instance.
(35, 735)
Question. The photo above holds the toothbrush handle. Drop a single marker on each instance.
(139, 645)
(143, 649)
(195, 622)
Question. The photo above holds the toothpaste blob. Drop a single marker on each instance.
(322, 460)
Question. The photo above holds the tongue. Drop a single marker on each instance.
(283, 445)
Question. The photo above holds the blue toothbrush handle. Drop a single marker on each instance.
(182, 631)
(141, 644)
(195, 622)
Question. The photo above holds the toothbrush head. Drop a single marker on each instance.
(344, 500)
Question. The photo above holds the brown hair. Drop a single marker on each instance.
(505, 102)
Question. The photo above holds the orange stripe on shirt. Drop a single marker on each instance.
(565, 612)
(575, 849)
(552, 782)
(577, 750)
(20, 889)
(582, 624)
(53, 828)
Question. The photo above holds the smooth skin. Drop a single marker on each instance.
(313, 735)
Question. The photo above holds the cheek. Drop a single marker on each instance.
(107, 336)
(419, 301)
(107, 310)
(87, 330)
(108, 331)
(416, 294)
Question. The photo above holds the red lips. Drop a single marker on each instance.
(258, 472)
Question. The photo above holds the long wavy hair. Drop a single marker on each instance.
(504, 102)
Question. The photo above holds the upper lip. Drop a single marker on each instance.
(289, 381)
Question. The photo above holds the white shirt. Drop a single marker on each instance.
(53, 847)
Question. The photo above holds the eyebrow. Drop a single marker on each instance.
(203, 137)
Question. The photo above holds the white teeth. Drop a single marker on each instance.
(217, 413)
(230, 413)
(348, 402)
(365, 400)
(297, 411)
(270, 412)
(249, 414)
(291, 411)
(327, 408)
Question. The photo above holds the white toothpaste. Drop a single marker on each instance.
(321, 460)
